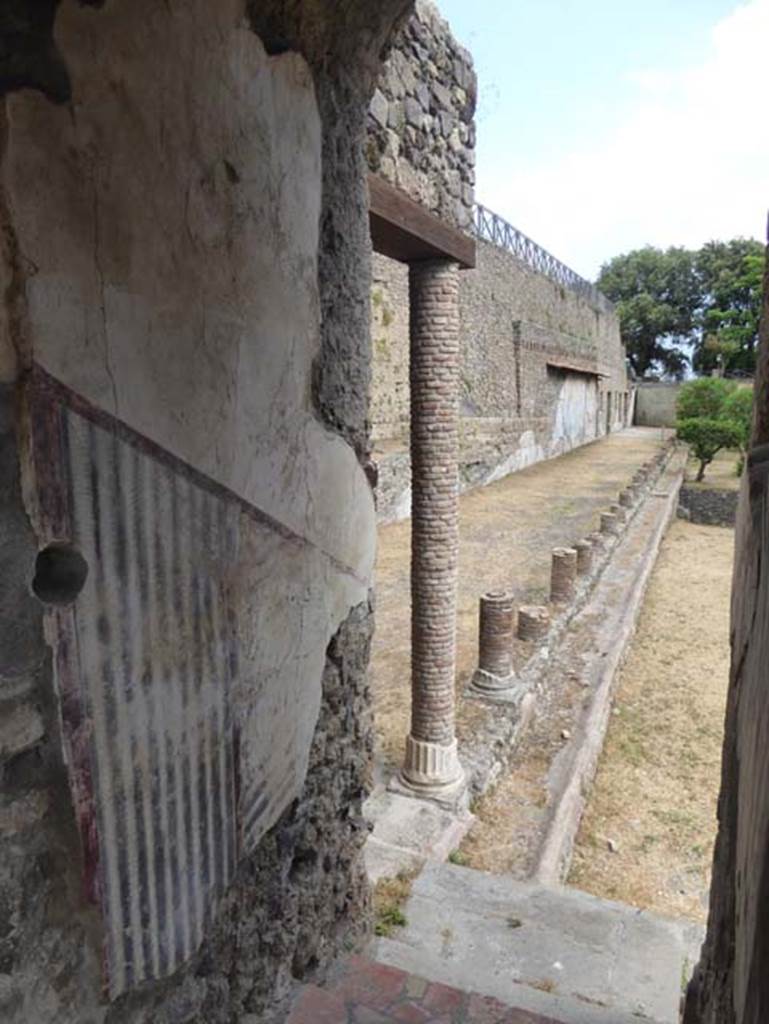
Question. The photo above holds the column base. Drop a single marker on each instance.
(432, 771)
(488, 682)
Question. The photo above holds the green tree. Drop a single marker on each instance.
(657, 294)
(706, 437)
(705, 397)
(730, 280)
(738, 408)
(713, 413)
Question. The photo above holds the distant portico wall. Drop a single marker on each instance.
(656, 403)
(542, 372)
(542, 367)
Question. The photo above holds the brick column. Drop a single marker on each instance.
(533, 622)
(619, 512)
(563, 575)
(609, 523)
(431, 765)
(496, 629)
(584, 549)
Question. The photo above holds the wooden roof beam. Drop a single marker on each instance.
(405, 231)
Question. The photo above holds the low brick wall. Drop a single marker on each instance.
(710, 507)
(483, 459)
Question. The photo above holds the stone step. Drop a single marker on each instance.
(363, 991)
(558, 952)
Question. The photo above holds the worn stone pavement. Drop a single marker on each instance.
(548, 950)
(507, 531)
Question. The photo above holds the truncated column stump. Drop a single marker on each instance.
(496, 629)
(563, 575)
(533, 623)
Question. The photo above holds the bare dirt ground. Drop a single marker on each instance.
(721, 474)
(507, 532)
(654, 799)
(514, 817)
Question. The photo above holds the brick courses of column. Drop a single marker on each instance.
(609, 524)
(431, 761)
(619, 512)
(563, 575)
(584, 549)
(495, 642)
(598, 541)
(533, 622)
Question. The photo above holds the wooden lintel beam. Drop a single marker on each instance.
(407, 232)
(573, 367)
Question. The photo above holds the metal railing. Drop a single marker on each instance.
(490, 227)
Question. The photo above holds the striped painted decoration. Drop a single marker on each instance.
(146, 680)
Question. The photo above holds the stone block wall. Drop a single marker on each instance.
(711, 506)
(389, 409)
(421, 132)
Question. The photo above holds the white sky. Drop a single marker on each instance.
(687, 160)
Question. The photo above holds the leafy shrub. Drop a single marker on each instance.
(706, 436)
(738, 408)
(704, 397)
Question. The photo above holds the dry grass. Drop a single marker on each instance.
(543, 984)
(389, 898)
(510, 814)
(720, 475)
(657, 783)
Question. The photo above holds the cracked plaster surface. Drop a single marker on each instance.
(171, 266)
(162, 236)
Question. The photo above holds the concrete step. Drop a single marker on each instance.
(557, 952)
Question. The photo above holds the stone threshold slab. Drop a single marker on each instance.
(408, 832)
(550, 950)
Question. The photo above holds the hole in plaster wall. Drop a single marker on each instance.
(276, 47)
(232, 175)
(60, 573)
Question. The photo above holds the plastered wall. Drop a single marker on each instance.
(186, 614)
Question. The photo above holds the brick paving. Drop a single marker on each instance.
(365, 992)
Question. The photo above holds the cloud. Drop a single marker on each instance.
(689, 161)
